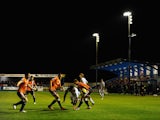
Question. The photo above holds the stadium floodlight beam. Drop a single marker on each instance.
(129, 15)
(97, 40)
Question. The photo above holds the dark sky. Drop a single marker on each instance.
(57, 37)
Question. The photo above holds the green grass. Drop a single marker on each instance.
(113, 107)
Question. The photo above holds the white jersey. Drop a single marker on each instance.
(102, 85)
(84, 80)
(76, 93)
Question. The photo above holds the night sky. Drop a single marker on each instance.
(57, 37)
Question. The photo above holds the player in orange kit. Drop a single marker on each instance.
(32, 83)
(55, 83)
(21, 92)
(86, 90)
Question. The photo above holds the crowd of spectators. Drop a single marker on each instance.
(134, 86)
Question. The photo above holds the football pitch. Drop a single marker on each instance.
(112, 107)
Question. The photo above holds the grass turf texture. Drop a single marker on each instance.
(112, 107)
